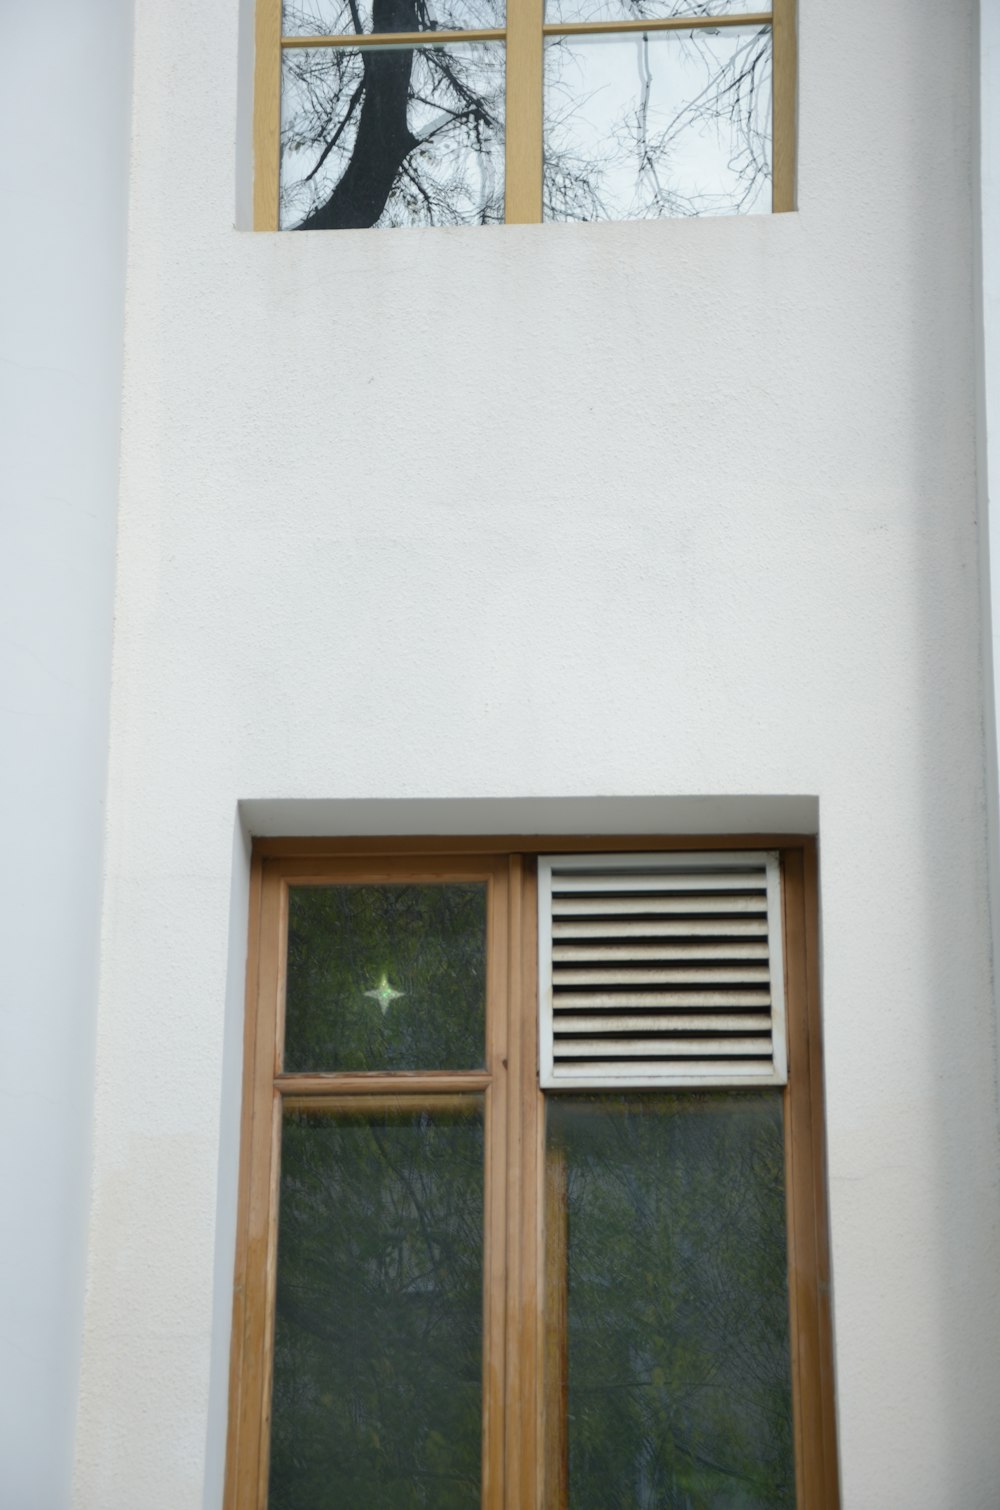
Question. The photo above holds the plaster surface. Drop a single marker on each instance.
(64, 122)
(652, 511)
(988, 426)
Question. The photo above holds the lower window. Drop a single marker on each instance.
(456, 1288)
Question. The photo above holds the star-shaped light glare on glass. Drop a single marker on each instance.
(384, 994)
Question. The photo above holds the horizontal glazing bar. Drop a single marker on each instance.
(399, 38)
(403, 1084)
(662, 23)
(378, 1106)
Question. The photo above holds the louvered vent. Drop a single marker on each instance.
(659, 970)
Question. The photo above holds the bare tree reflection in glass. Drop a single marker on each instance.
(642, 125)
(636, 126)
(393, 135)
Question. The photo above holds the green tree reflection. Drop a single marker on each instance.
(377, 1396)
(427, 942)
(678, 1359)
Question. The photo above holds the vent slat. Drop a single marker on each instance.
(613, 928)
(711, 974)
(594, 1073)
(656, 883)
(758, 997)
(658, 951)
(645, 1048)
(661, 969)
(616, 906)
(681, 1022)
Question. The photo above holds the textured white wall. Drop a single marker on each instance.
(988, 428)
(63, 183)
(680, 508)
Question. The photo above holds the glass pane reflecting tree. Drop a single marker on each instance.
(670, 1216)
(336, 18)
(377, 1395)
(635, 10)
(386, 978)
(391, 136)
(646, 124)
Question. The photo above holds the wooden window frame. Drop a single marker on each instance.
(519, 1434)
(524, 35)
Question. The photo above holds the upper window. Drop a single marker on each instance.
(472, 112)
(532, 1204)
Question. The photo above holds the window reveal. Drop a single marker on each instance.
(457, 112)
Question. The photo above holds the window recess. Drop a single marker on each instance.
(458, 112)
(457, 1288)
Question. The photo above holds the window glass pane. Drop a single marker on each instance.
(377, 1397)
(658, 123)
(392, 136)
(667, 1217)
(386, 978)
(638, 10)
(341, 18)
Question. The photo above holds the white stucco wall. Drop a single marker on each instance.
(629, 511)
(63, 182)
(988, 427)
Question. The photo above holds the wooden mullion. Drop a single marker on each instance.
(655, 23)
(281, 982)
(266, 114)
(523, 128)
(252, 1343)
(801, 1308)
(496, 1192)
(784, 102)
(525, 1342)
(827, 1446)
(239, 1351)
(438, 848)
(375, 1106)
(808, 1270)
(397, 1084)
(397, 38)
(269, 1304)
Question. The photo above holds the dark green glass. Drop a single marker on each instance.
(386, 977)
(679, 1381)
(377, 1396)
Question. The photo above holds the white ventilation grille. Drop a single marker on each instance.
(661, 970)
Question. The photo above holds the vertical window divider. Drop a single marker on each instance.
(498, 990)
(253, 1302)
(784, 101)
(805, 1157)
(523, 128)
(266, 114)
(524, 1259)
(238, 1391)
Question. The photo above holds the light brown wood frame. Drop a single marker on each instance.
(523, 1436)
(524, 36)
(268, 1091)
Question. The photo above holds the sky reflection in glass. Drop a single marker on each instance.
(648, 124)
